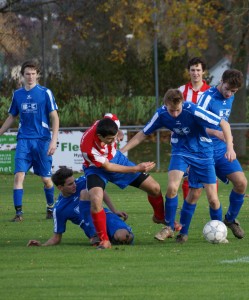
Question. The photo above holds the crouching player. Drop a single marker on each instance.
(69, 207)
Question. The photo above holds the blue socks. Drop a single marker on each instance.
(187, 212)
(85, 213)
(236, 201)
(215, 214)
(17, 198)
(49, 194)
(170, 211)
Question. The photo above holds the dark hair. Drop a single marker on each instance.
(32, 64)
(173, 96)
(195, 61)
(107, 127)
(234, 78)
(60, 176)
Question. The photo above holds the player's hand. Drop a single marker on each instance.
(230, 155)
(122, 214)
(52, 148)
(146, 166)
(33, 243)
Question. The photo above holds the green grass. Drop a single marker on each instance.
(147, 270)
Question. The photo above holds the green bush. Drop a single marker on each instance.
(83, 111)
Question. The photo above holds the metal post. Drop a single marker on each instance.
(156, 84)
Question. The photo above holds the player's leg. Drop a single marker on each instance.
(118, 231)
(215, 209)
(232, 171)
(95, 187)
(148, 184)
(236, 200)
(49, 195)
(23, 162)
(86, 218)
(42, 165)
(18, 196)
(187, 212)
(171, 203)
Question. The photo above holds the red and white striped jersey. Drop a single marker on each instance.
(94, 152)
(191, 95)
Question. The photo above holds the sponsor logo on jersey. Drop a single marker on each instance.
(224, 113)
(182, 131)
(29, 107)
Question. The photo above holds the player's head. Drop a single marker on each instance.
(107, 130)
(173, 100)
(60, 176)
(64, 180)
(123, 236)
(231, 81)
(30, 71)
(196, 69)
(197, 61)
(31, 64)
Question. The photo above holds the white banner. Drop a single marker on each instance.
(67, 153)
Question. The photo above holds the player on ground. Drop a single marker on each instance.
(35, 106)
(191, 146)
(191, 92)
(219, 100)
(69, 207)
(102, 162)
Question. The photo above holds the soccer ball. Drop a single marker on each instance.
(215, 231)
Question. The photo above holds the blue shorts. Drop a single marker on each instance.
(113, 223)
(122, 180)
(201, 171)
(33, 153)
(223, 167)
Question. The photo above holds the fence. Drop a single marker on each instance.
(157, 146)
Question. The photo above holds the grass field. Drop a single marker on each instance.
(147, 270)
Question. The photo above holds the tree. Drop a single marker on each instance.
(237, 38)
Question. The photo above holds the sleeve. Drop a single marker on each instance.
(59, 222)
(13, 110)
(153, 124)
(206, 118)
(51, 101)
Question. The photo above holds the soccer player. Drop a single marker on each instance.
(219, 100)
(191, 146)
(191, 92)
(35, 106)
(71, 206)
(102, 162)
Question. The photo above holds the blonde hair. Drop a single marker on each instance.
(173, 96)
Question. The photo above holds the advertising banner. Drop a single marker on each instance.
(67, 154)
(7, 152)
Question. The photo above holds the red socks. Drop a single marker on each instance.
(99, 221)
(185, 188)
(158, 206)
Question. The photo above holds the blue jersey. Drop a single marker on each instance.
(67, 208)
(33, 107)
(189, 136)
(212, 100)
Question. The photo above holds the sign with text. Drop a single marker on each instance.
(67, 154)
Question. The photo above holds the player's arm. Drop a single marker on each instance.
(110, 205)
(136, 140)
(54, 240)
(217, 133)
(142, 167)
(7, 124)
(55, 129)
(225, 126)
